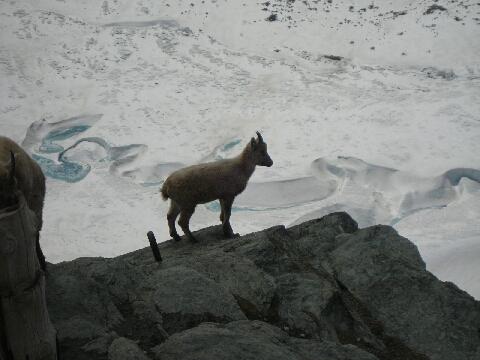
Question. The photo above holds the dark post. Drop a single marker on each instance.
(154, 246)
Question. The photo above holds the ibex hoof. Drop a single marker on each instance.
(176, 237)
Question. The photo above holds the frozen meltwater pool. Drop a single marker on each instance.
(49, 144)
(73, 162)
(64, 170)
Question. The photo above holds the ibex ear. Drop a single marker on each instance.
(253, 143)
(12, 168)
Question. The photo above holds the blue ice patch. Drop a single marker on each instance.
(152, 183)
(231, 144)
(214, 206)
(65, 170)
(49, 146)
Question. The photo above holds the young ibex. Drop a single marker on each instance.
(199, 184)
(20, 173)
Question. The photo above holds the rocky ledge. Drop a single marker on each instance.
(320, 290)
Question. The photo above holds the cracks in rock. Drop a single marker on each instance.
(146, 331)
(345, 317)
(394, 348)
(248, 308)
(178, 322)
(69, 344)
(271, 316)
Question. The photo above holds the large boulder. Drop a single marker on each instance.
(321, 289)
(125, 349)
(185, 297)
(250, 340)
(386, 273)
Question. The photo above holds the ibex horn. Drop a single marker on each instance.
(260, 139)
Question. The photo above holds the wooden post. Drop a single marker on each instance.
(25, 328)
(154, 246)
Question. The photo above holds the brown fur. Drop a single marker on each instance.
(202, 183)
(28, 179)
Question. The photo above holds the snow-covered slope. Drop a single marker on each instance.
(372, 107)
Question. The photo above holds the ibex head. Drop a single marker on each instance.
(259, 151)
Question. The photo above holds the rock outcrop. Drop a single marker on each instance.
(320, 290)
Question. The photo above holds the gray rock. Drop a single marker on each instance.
(250, 340)
(98, 347)
(125, 349)
(185, 297)
(321, 289)
(239, 276)
(386, 273)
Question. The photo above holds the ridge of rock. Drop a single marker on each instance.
(323, 289)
